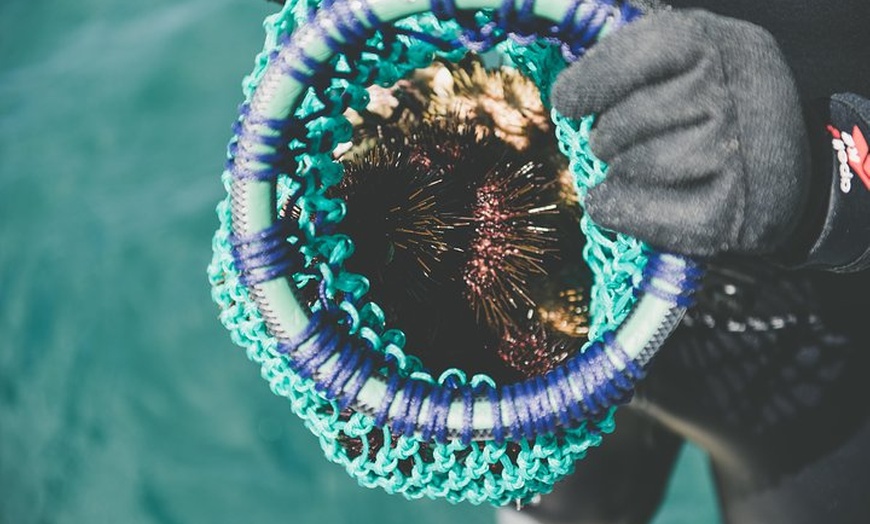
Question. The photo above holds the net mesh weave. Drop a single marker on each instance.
(477, 472)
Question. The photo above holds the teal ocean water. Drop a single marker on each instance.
(122, 399)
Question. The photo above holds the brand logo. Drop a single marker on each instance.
(853, 155)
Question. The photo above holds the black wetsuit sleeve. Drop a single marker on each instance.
(835, 233)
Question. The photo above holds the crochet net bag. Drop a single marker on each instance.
(451, 436)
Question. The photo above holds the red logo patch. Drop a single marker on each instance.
(853, 153)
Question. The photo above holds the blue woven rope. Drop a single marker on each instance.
(438, 410)
(293, 153)
(280, 132)
(345, 367)
(528, 405)
(534, 393)
(576, 375)
(268, 254)
(549, 424)
(556, 384)
(524, 27)
(354, 387)
(318, 352)
(497, 426)
(513, 427)
(685, 277)
(467, 416)
(382, 412)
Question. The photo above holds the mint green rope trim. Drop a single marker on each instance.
(436, 473)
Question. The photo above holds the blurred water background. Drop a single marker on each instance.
(122, 399)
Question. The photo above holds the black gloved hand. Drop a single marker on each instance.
(700, 122)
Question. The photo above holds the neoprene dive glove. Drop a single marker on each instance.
(699, 119)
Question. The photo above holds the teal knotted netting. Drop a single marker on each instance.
(340, 364)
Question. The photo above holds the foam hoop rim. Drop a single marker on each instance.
(354, 374)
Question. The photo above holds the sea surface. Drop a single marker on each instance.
(122, 399)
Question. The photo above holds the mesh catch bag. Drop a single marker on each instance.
(451, 436)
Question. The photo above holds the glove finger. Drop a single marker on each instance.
(679, 191)
(680, 158)
(687, 223)
(685, 102)
(657, 47)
